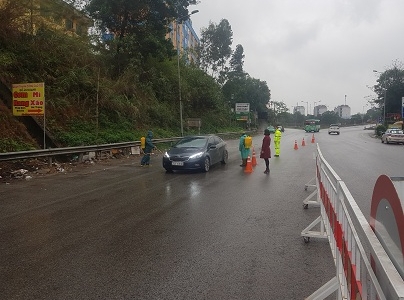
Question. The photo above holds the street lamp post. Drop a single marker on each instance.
(307, 106)
(178, 36)
(384, 97)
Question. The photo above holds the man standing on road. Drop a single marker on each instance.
(148, 149)
(277, 141)
(244, 152)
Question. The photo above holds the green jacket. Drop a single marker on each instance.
(243, 150)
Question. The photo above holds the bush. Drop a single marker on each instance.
(380, 129)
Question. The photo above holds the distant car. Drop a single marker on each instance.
(334, 128)
(393, 135)
(271, 129)
(197, 152)
(369, 127)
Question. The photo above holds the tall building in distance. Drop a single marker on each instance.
(184, 39)
(319, 110)
(299, 109)
(343, 111)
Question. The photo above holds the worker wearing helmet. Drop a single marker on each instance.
(277, 141)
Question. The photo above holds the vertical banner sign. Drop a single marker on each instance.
(29, 99)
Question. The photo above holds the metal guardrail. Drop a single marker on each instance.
(53, 152)
(75, 150)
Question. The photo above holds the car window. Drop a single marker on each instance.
(211, 141)
(196, 142)
(218, 140)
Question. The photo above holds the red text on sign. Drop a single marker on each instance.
(20, 95)
(36, 102)
(21, 103)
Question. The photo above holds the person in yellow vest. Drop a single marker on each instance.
(277, 141)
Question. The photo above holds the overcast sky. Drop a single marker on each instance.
(313, 50)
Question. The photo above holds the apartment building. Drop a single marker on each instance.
(343, 111)
(319, 110)
(184, 39)
(301, 109)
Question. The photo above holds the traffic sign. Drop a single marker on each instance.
(29, 99)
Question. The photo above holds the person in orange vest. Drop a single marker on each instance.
(266, 149)
(277, 141)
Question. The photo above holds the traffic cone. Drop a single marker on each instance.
(254, 159)
(303, 143)
(296, 145)
(248, 167)
(312, 139)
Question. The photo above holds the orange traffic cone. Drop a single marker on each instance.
(254, 159)
(248, 167)
(296, 145)
(312, 139)
(303, 142)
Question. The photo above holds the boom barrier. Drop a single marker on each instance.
(355, 247)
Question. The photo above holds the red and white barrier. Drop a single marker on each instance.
(354, 245)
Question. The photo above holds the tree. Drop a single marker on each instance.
(215, 49)
(390, 90)
(237, 62)
(139, 27)
(329, 117)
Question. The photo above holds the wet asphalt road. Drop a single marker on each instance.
(119, 231)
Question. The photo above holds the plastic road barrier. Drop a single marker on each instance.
(356, 248)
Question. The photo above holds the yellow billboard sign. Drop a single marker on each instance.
(29, 99)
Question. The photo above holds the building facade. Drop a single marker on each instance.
(343, 111)
(301, 109)
(184, 39)
(319, 110)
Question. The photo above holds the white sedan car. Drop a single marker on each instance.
(334, 128)
(393, 135)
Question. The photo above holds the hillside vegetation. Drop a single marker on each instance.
(112, 91)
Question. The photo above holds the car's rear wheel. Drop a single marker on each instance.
(206, 164)
(225, 157)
